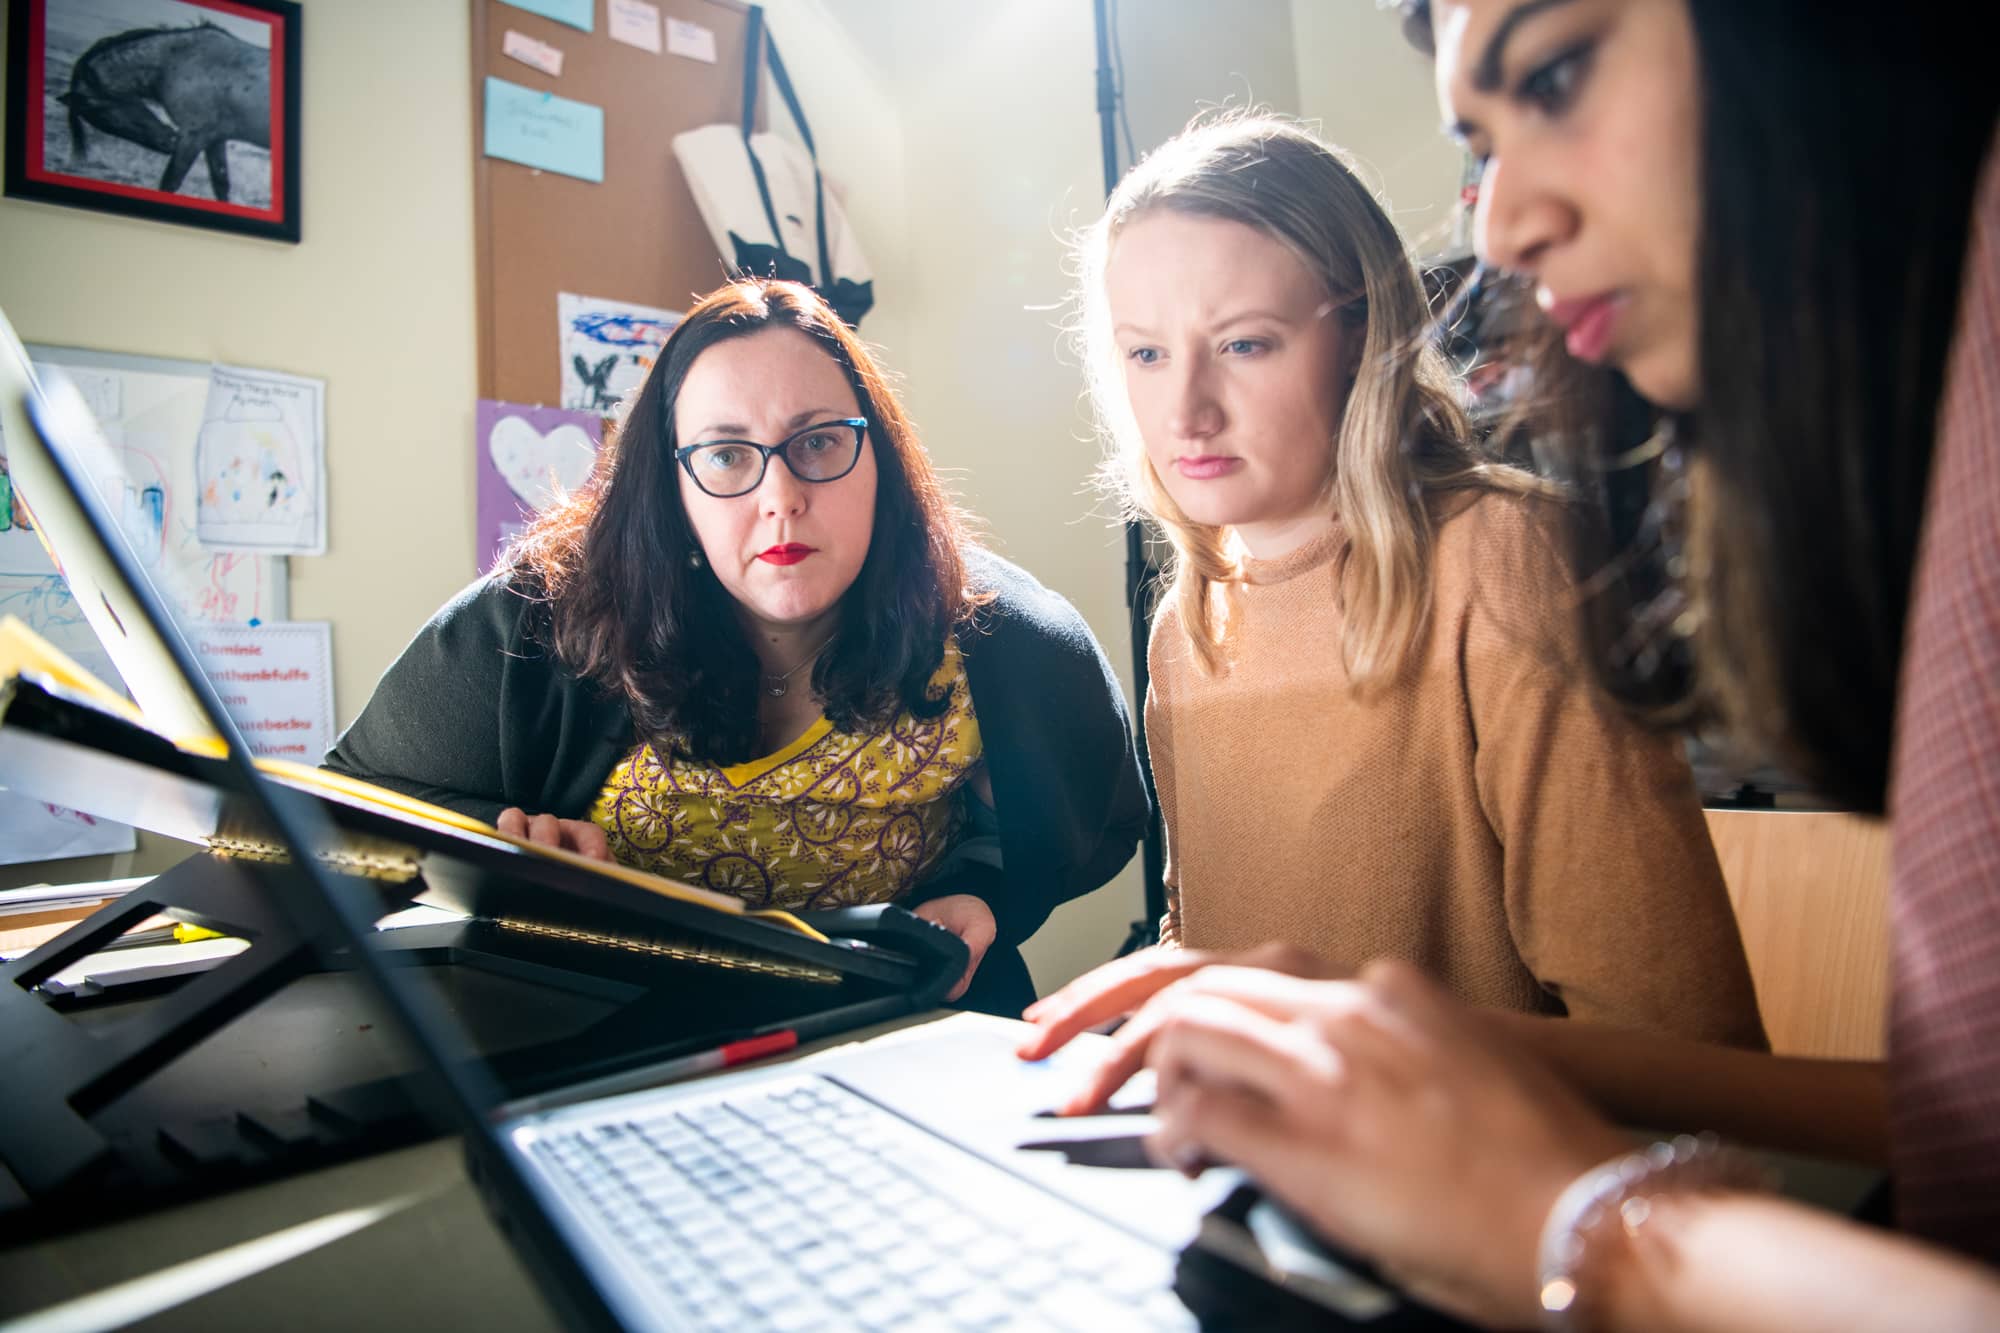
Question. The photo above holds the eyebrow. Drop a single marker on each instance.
(1486, 74)
(1249, 315)
(811, 416)
(1217, 327)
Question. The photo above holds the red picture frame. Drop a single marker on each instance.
(172, 110)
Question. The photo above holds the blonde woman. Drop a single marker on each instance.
(1368, 721)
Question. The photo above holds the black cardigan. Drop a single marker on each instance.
(475, 716)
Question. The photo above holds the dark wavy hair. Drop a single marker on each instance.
(628, 610)
(1840, 151)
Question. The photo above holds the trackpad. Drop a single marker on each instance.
(959, 1078)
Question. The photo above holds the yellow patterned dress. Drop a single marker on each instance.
(835, 819)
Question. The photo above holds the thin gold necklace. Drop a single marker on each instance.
(776, 686)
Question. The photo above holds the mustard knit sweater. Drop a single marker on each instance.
(1489, 817)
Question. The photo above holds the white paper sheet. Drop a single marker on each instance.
(276, 681)
(260, 463)
(32, 830)
(151, 412)
(635, 23)
(691, 40)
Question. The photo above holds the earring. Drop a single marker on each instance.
(694, 559)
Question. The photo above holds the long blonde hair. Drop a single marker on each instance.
(1403, 436)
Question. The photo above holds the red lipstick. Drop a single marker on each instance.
(788, 554)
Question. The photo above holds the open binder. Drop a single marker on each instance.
(655, 966)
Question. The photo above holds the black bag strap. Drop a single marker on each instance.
(758, 48)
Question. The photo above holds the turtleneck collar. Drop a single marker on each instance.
(1299, 560)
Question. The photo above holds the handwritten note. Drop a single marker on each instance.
(635, 23)
(276, 681)
(691, 40)
(577, 13)
(539, 129)
(548, 59)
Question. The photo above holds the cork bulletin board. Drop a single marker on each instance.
(636, 235)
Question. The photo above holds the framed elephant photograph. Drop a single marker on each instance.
(172, 110)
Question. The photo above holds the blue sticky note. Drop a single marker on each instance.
(539, 129)
(576, 13)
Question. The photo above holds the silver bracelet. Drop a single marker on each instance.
(1622, 1188)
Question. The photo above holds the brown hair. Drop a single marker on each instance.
(1403, 436)
(628, 610)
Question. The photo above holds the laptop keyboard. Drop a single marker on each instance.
(796, 1205)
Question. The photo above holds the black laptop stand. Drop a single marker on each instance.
(267, 1062)
(61, 1072)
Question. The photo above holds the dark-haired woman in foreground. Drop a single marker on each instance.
(759, 653)
(1779, 224)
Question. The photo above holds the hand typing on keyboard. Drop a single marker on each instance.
(795, 1204)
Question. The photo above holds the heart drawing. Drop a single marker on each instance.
(540, 467)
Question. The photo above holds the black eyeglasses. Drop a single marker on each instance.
(726, 468)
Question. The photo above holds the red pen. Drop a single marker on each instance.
(725, 1056)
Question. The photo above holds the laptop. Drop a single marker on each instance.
(884, 1185)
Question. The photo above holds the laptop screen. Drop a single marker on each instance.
(55, 451)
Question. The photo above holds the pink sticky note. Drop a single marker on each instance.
(528, 51)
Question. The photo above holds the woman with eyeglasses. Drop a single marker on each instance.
(760, 653)
(1779, 223)
(1369, 721)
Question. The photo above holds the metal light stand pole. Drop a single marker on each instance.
(1138, 568)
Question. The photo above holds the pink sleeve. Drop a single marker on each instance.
(1944, 1039)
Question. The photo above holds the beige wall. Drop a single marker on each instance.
(377, 300)
(964, 141)
(1370, 92)
(858, 130)
(1183, 57)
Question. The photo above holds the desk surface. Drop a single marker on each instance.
(236, 1261)
(399, 1240)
